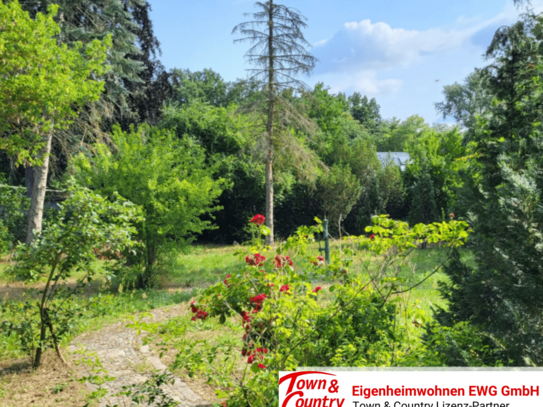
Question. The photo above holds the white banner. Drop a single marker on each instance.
(412, 388)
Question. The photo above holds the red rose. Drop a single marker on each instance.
(284, 288)
(261, 366)
(246, 317)
(258, 219)
(256, 260)
(258, 299)
(200, 314)
(226, 280)
(281, 261)
(251, 359)
(317, 289)
(259, 259)
(372, 237)
(320, 261)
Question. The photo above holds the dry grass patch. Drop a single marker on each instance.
(53, 384)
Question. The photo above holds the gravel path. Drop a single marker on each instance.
(121, 353)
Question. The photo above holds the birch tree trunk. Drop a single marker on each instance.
(37, 201)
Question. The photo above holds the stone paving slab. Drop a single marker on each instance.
(120, 351)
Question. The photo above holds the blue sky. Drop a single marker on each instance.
(402, 52)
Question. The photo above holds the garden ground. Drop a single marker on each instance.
(56, 384)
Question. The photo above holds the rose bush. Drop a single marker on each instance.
(355, 316)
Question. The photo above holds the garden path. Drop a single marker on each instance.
(122, 355)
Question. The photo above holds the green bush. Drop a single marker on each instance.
(289, 321)
(87, 226)
(167, 178)
(13, 211)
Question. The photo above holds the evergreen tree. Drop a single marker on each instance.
(153, 86)
(86, 20)
(369, 204)
(423, 199)
(499, 290)
(135, 85)
(278, 53)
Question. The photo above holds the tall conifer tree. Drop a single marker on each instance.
(279, 54)
(423, 198)
(499, 291)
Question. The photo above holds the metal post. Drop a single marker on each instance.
(326, 241)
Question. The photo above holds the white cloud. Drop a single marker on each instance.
(365, 82)
(378, 46)
(405, 70)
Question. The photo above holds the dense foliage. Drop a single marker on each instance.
(166, 177)
(499, 292)
(50, 80)
(87, 226)
(347, 318)
(145, 162)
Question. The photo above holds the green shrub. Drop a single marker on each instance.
(13, 211)
(167, 178)
(288, 321)
(87, 226)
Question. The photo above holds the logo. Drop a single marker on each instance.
(309, 389)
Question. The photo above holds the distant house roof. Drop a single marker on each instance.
(399, 158)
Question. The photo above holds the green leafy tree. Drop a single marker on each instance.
(13, 208)
(365, 110)
(228, 140)
(327, 110)
(393, 135)
(466, 102)
(167, 177)
(42, 85)
(498, 290)
(278, 54)
(442, 154)
(205, 86)
(135, 85)
(88, 225)
(339, 189)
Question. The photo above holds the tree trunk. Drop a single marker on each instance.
(35, 214)
(269, 194)
(44, 318)
(54, 337)
(269, 130)
(41, 344)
